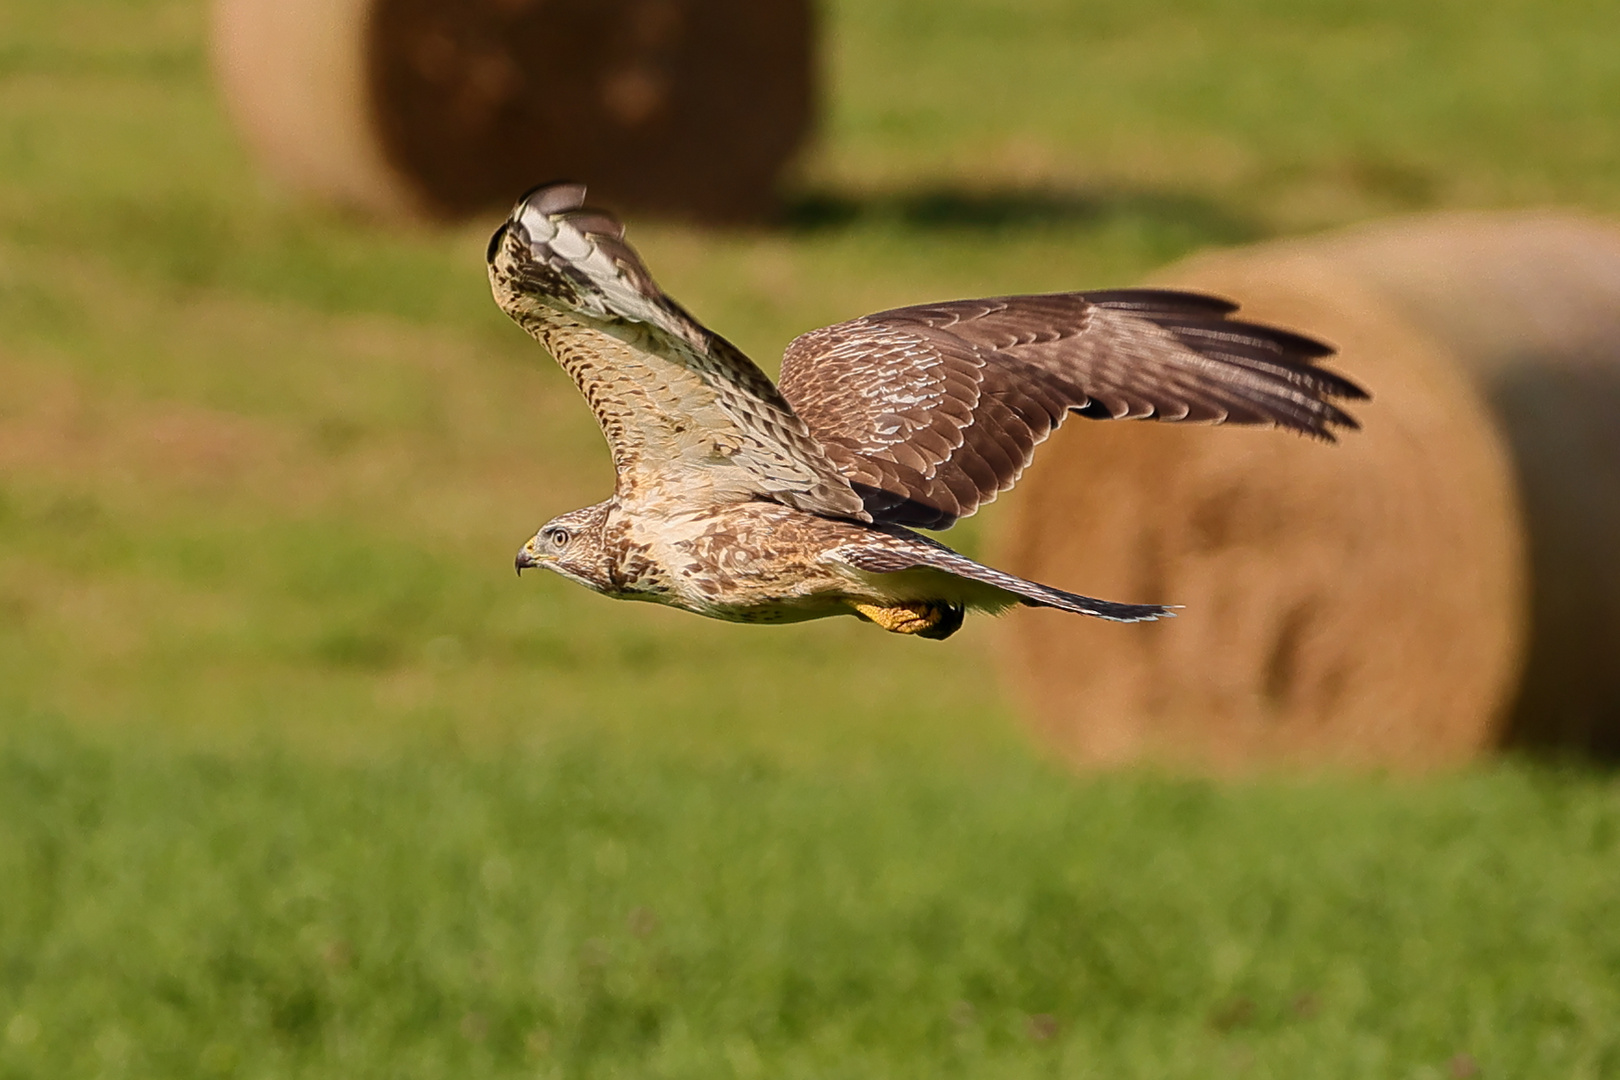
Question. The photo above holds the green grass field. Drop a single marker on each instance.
(297, 780)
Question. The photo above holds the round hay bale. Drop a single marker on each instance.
(1439, 584)
(687, 108)
(1358, 604)
(295, 85)
(1530, 305)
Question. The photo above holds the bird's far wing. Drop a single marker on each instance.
(685, 413)
(932, 410)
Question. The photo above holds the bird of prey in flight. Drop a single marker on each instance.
(755, 503)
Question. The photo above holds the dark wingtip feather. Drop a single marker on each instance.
(1125, 613)
(1290, 341)
(1164, 301)
(1047, 596)
(1201, 322)
(555, 197)
(1132, 613)
(1288, 357)
(564, 201)
(597, 224)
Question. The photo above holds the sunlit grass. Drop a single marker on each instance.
(571, 910)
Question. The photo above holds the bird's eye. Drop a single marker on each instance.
(559, 538)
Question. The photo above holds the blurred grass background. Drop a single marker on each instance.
(296, 780)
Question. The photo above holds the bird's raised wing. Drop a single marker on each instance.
(932, 410)
(687, 416)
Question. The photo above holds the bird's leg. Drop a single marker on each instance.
(915, 617)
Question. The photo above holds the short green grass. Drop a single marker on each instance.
(574, 912)
(296, 780)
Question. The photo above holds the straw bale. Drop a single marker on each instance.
(1530, 304)
(291, 76)
(687, 108)
(1359, 604)
(1440, 584)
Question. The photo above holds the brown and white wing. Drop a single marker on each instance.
(932, 410)
(686, 414)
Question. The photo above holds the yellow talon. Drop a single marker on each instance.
(902, 618)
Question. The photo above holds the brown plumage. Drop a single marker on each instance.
(933, 410)
(742, 501)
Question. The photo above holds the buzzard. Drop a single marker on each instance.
(755, 503)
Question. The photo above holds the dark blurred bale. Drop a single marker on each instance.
(684, 108)
(1440, 584)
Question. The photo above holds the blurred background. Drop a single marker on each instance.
(295, 779)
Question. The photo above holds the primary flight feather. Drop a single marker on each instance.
(745, 501)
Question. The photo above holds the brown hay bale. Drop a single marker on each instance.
(1376, 602)
(689, 108)
(1359, 604)
(293, 82)
(1530, 304)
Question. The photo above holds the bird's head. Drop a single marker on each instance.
(573, 545)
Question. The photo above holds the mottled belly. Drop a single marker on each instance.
(794, 611)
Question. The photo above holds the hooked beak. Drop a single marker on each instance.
(525, 561)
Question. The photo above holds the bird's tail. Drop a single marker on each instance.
(920, 553)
